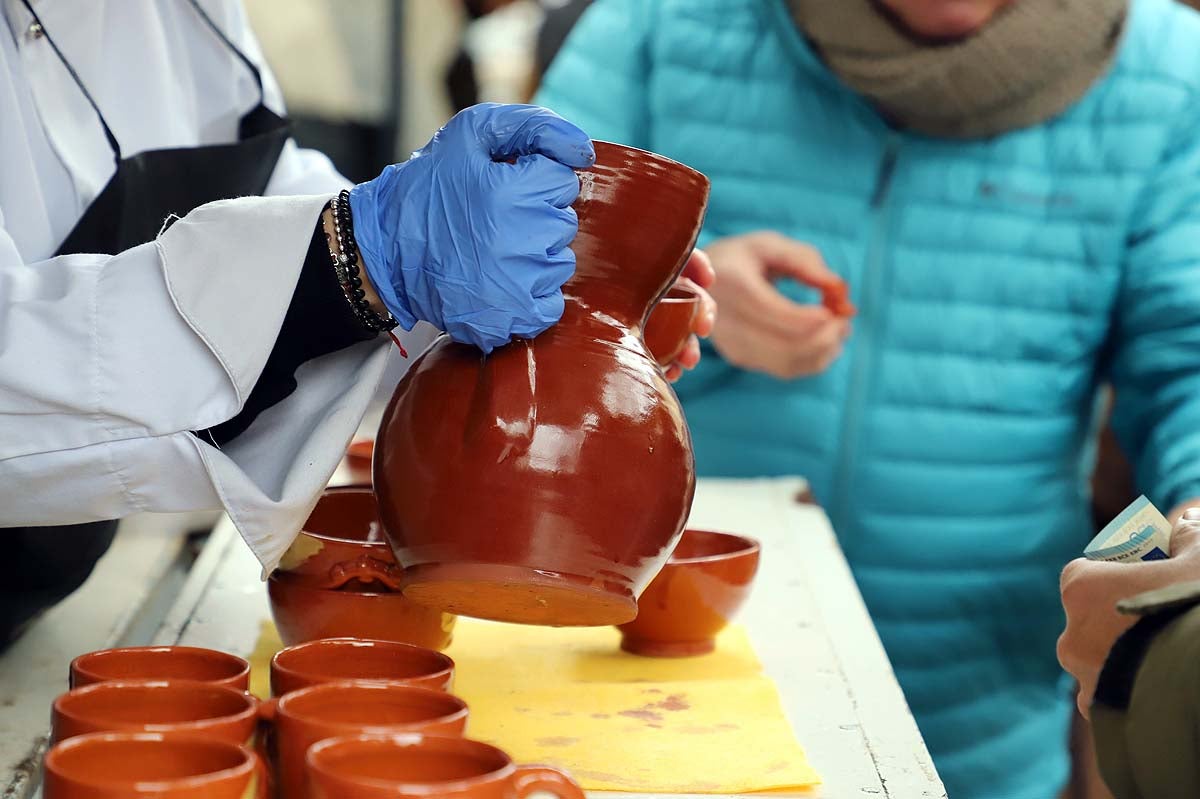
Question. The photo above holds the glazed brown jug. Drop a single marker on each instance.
(548, 482)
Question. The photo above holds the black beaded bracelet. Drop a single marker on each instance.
(345, 266)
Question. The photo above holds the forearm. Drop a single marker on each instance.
(319, 321)
(94, 349)
(107, 362)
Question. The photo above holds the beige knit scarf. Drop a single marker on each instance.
(1031, 62)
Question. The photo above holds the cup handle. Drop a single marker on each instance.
(531, 779)
(367, 569)
(267, 709)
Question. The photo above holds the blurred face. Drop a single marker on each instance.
(945, 19)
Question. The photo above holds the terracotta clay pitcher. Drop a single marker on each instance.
(548, 482)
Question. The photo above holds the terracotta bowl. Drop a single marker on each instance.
(154, 766)
(342, 545)
(303, 613)
(359, 453)
(670, 324)
(358, 460)
(340, 659)
(693, 598)
(160, 663)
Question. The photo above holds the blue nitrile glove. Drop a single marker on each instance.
(471, 233)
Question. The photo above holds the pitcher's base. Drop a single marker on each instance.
(519, 595)
(667, 649)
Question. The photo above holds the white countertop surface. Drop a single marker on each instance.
(805, 617)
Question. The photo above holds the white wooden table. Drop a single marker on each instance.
(805, 618)
(122, 603)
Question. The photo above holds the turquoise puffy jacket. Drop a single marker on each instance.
(998, 281)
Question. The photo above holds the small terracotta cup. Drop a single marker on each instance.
(173, 707)
(670, 324)
(313, 714)
(340, 659)
(695, 595)
(132, 765)
(835, 295)
(420, 767)
(160, 663)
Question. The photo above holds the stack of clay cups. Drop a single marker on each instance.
(170, 722)
(348, 718)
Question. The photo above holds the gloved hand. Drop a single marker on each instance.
(471, 233)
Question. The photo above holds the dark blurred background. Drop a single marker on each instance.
(370, 86)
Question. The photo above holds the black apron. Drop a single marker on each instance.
(146, 191)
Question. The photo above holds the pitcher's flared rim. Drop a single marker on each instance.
(641, 155)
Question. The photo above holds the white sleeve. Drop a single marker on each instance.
(108, 363)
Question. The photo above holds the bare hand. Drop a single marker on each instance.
(1092, 589)
(699, 275)
(762, 329)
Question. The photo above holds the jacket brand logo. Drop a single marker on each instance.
(995, 191)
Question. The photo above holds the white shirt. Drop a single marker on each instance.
(107, 363)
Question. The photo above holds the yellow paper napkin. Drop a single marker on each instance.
(260, 660)
(570, 698)
(525, 655)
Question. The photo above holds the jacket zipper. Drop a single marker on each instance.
(865, 349)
